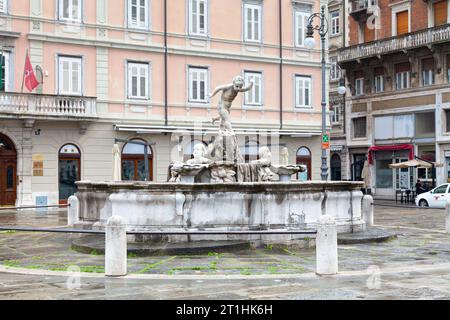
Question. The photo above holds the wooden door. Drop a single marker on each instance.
(306, 161)
(8, 181)
(402, 22)
(440, 12)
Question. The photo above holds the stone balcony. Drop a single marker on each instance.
(422, 38)
(42, 106)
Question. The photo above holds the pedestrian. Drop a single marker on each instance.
(419, 188)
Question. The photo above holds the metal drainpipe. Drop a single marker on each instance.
(166, 103)
(280, 11)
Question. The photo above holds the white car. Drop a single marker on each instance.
(436, 198)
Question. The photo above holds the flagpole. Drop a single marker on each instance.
(24, 66)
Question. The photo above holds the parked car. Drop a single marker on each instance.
(436, 198)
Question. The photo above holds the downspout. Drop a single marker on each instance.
(166, 103)
(344, 14)
(280, 12)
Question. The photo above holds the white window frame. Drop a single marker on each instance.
(257, 78)
(253, 8)
(336, 116)
(428, 77)
(139, 67)
(138, 24)
(4, 6)
(378, 83)
(70, 17)
(335, 21)
(70, 59)
(198, 71)
(335, 72)
(303, 83)
(359, 86)
(300, 28)
(402, 76)
(6, 56)
(191, 24)
(396, 8)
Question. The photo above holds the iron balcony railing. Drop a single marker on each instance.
(29, 104)
(421, 38)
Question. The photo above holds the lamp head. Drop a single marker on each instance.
(342, 89)
(310, 42)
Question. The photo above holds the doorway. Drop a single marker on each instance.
(304, 158)
(8, 172)
(69, 171)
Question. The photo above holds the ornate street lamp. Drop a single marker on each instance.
(310, 43)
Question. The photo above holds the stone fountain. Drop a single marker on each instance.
(217, 190)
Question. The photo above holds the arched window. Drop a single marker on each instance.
(304, 158)
(133, 161)
(189, 149)
(250, 151)
(335, 166)
(69, 164)
(8, 171)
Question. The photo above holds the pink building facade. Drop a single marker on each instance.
(143, 70)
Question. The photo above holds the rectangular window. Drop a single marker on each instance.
(335, 27)
(447, 120)
(3, 6)
(301, 21)
(252, 22)
(138, 14)
(359, 86)
(254, 96)
(70, 75)
(402, 22)
(440, 12)
(359, 127)
(428, 71)
(70, 10)
(303, 92)
(402, 75)
(138, 80)
(378, 81)
(198, 17)
(198, 84)
(336, 115)
(4, 72)
(335, 72)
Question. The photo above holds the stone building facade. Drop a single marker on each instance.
(142, 70)
(397, 65)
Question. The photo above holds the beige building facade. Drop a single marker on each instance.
(142, 70)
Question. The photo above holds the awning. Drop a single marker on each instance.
(409, 147)
(416, 163)
(212, 130)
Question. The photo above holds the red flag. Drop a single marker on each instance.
(30, 78)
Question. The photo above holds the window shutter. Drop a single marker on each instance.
(428, 64)
(359, 74)
(440, 12)
(402, 22)
(402, 67)
(378, 71)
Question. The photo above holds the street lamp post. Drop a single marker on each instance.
(310, 43)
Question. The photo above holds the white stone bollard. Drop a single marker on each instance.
(367, 210)
(326, 246)
(115, 248)
(73, 210)
(447, 217)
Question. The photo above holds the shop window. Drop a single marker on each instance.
(425, 125)
(133, 162)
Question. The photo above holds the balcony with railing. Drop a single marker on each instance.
(26, 105)
(410, 41)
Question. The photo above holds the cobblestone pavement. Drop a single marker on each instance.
(415, 265)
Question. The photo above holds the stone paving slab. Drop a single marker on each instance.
(418, 248)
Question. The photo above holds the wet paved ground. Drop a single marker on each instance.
(416, 265)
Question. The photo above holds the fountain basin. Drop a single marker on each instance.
(146, 206)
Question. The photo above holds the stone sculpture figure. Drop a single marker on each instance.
(199, 153)
(229, 93)
(284, 156)
(264, 164)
